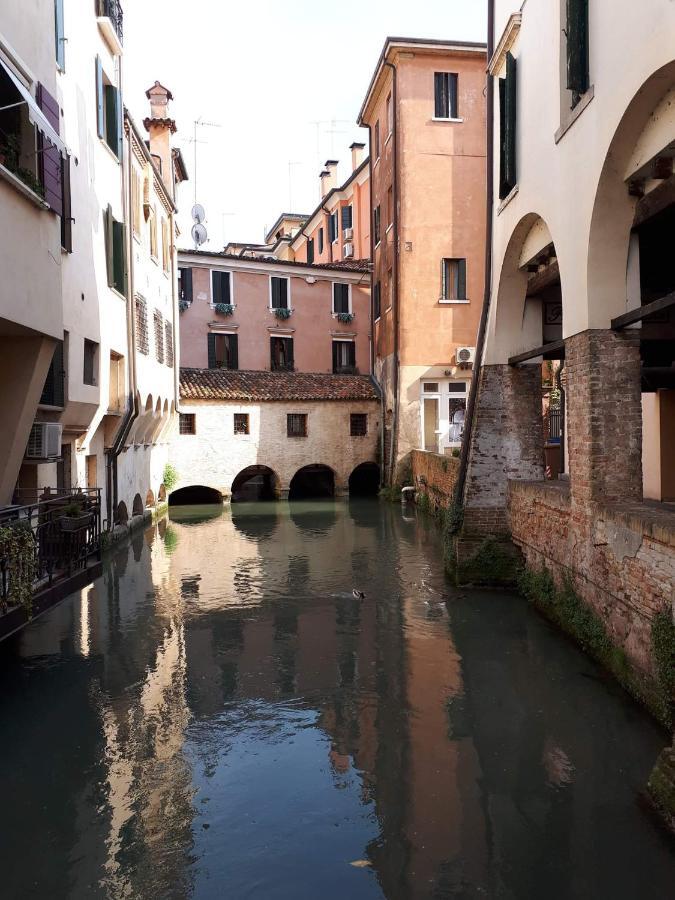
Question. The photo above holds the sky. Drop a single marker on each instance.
(281, 84)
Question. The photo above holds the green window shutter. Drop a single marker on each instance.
(276, 291)
(577, 46)
(111, 116)
(59, 35)
(510, 123)
(503, 191)
(120, 124)
(212, 351)
(100, 109)
(119, 273)
(461, 279)
(108, 234)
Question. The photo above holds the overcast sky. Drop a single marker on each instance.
(283, 81)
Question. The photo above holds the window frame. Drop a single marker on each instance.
(361, 417)
(286, 367)
(377, 301)
(321, 240)
(333, 227)
(310, 251)
(230, 278)
(377, 225)
(339, 369)
(247, 424)
(110, 131)
(93, 347)
(287, 279)
(390, 116)
(459, 280)
(182, 417)
(453, 114)
(376, 139)
(232, 350)
(290, 433)
(341, 284)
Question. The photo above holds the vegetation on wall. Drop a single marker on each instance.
(17, 550)
(224, 309)
(170, 477)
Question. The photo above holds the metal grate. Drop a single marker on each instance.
(296, 425)
(142, 342)
(168, 343)
(159, 335)
(186, 423)
(358, 424)
(241, 423)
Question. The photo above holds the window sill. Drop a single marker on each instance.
(505, 202)
(336, 314)
(574, 114)
(296, 436)
(445, 302)
(108, 149)
(22, 188)
(445, 119)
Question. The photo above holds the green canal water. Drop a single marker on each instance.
(219, 717)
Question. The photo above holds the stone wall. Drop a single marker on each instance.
(435, 475)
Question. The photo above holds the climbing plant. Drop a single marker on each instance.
(17, 551)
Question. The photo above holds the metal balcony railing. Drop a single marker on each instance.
(112, 9)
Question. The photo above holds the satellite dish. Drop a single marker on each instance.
(198, 233)
(198, 213)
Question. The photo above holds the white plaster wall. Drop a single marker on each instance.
(215, 455)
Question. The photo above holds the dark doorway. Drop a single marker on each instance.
(254, 483)
(365, 480)
(312, 482)
(194, 495)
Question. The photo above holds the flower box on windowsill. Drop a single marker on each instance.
(224, 309)
(183, 305)
(345, 317)
(282, 312)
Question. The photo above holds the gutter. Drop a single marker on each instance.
(393, 444)
(482, 327)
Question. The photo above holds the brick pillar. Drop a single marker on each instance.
(507, 443)
(604, 416)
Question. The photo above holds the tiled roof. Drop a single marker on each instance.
(356, 265)
(222, 384)
(353, 265)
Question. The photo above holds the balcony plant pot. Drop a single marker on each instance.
(75, 523)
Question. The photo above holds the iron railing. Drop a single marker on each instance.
(554, 419)
(112, 9)
(66, 532)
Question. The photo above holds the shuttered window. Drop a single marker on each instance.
(220, 286)
(346, 217)
(341, 298)
(159, 336)
(185, 284)
(108, 111)
(278, 292)
(241, 423)
(281, 354)
(142, 338)
(310, 250)
(445, 95)
(508, 123)
(223, 351)
(67, 214)
(115, 251)
(344, 358)
(577, 49)
(390, 116)
(377, 300)
(376, 225)
(453, 279)
(49, 158)
(320, 241)
(168, 343)
(333, 227)
(376, 139)
(59, 35)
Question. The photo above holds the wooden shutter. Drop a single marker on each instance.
(67, 213)
(186, 284)
(461, 279)
(346, 217)
(511, 119)
(221, 287)
(276, 292)
(577, 46)
(100, 110)
(283, 293)
(49, 158)
(336, 357)
(351, 354)
(444, 278)
(59, 34)
(290, 362)
(234, 351)
(108, 234)
(273, 358)
(110, 117)
(453, 100)
(119, 273)
(212, 351)
(310, 250)
(120, 124)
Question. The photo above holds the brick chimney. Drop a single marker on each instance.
(160, 126)
(358, 154)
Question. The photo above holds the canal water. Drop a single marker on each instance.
(219, 717)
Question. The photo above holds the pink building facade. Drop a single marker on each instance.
(273, 315)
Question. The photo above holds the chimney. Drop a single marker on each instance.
(357, 154)
(329, 176)
(160, 126)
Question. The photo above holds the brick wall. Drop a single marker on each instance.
(435, 475)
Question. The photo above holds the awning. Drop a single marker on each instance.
(35, 114)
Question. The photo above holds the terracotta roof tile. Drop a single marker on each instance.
(355, 265)
(222, 384)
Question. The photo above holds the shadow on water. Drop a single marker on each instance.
(219, 716)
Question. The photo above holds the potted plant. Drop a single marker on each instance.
(224, 309)
(282, 312)
(183, 305)
(74, 516)
(345, 317)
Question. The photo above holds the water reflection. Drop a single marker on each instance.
(220, 716)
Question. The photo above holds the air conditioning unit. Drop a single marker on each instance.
(348, 234)
(465, 356)
(348, 250)
(44, 441)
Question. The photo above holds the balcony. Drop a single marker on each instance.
(110, 18)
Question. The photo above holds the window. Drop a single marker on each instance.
(453, 279)
(390, 206)
(310, 250)
(344, 358)
(430, 387)
(507, 129)
(59, 35)
(278, 292)
(320, 241)
(576, 34)
(376, 225)
(358, 424)
(142, 338)
(376, 140)
(221, 287)
(159, 336)
(90, 362)
(168, 344)
(152, 222)
(187, 423)
(296, 425)
(457, 387)
(109, 111)
(115, 252)
(136, 201)
(281, 354)
(165, 245)
(241, 423)
(346, 214)
(445, 95)
(185, 285)
(116, 384)
(54, 387)
(66, 215)
(341, 302)
(223, 351)
(377, 301)
(390, 116)
(390, 287)
(333, 227)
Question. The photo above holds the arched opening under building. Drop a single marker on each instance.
(195, 495)
(162, 493)
(137, 509)
(312, 482)
(365, 480)
(150, 498)
(121, 516)
(255, 483)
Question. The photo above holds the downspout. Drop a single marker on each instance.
(482, 327)
(372, 294)
(327, 230)
(175, 319)
(393, 444)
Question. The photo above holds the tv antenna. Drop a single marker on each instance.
(201, 124)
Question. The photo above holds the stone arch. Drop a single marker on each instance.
(195, 495)
(121, 514)
(255, 483)
(313, 482)
(364, 480)
(137, 508)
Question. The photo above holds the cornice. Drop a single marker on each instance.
(506, 42)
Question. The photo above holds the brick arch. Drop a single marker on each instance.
(313, 480)
(255, 482)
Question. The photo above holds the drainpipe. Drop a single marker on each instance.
(393, 447)
(327, 230)
(482, 327)
(174, 316)
(372, 311)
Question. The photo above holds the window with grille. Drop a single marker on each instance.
(241, 423)
(187, 423)
(445, 95)
(142, 342)
(159, 336)
(296, 425)
(168, 343)
(453, 279)
(358, 424)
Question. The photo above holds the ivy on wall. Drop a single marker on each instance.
(17, 556)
